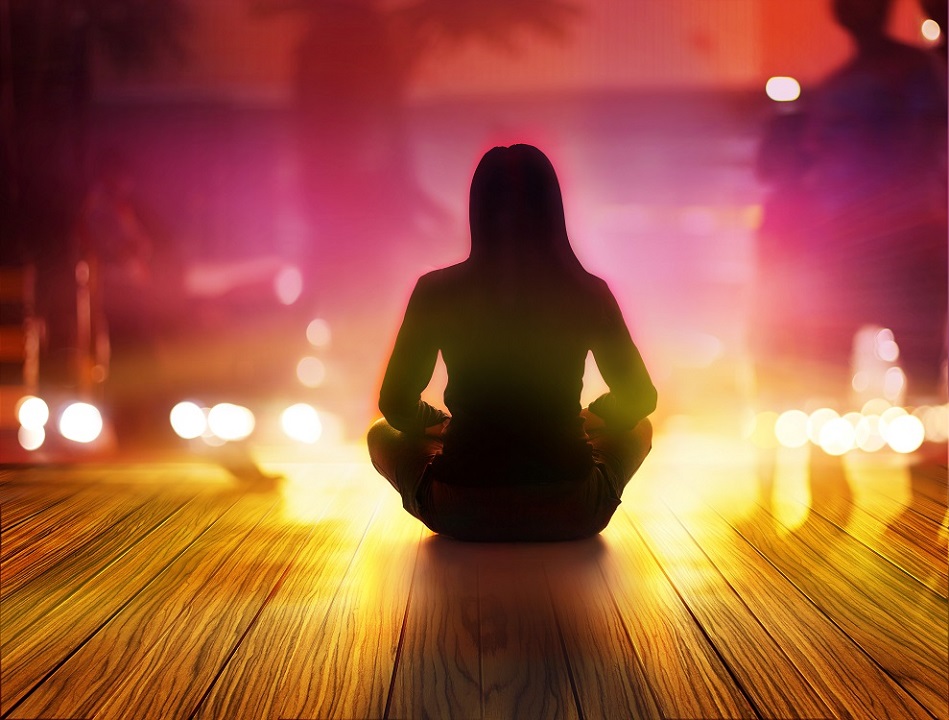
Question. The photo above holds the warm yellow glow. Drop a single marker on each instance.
(288, 284)
(311, 371)
(188, 420)
(230, 422)
(936, 422)
(31, 438)
(301, 422)
(318, 333)
(868, 436)
(930, 30)
(790, 428)
(905, 434)
(876, 406)
(816, 421)
(783, 89)
(32, 412)
(80, 422)
(763, 431)
(837, 436)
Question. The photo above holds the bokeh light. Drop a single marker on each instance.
(188, 420)
(311, 371)
(791, 428)
(868, 436)
(816, 421)
(905, 434)
(81, 423)
(301, 422)
(318, 333)
(930, 30)
(288, 284)
(837, 436)
(32, 412)
(31, 438)
(783, 89)
(230, 422)
(885, 346)
(894, 382)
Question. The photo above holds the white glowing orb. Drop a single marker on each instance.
(32, 412)
(837, 436)
(885, 346)
(188, 420)
(868, 436)
(816, 421)
(230, 422)
(930, 30)
(894, 380)
(81, 423)
(905, 434)
(311, 371)
(936, 421)
(301, 422)
(31, 438)
(790, 428)
(318, 333)
(783, 89)
(288, 284)
(876, 406)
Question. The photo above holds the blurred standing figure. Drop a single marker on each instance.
(876, 136)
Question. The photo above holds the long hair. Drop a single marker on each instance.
(516, 214)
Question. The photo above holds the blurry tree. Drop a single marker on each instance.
(49, 51)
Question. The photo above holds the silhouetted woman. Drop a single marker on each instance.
(517, 459)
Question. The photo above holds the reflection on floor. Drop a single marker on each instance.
(730, 584)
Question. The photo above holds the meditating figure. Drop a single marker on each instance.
(515, 458)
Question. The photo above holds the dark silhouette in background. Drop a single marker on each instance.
(516, 459)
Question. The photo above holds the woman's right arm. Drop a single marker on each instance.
(410, 367)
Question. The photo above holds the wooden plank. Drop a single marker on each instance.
(19, 503)
(55, 535)
(607, 671)
(676, 606)
(894, 618)
(109, 673)
(343, 665)
(524, 671)
(849, 682)
(33, 601)
(439, 667)
(249, 684)
(61, 633)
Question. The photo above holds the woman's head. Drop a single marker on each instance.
(516, 210)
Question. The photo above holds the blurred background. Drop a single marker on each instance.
(214, 211)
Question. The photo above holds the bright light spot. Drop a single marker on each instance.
(885, 346)
(288, 284)
(318, 333)
(311, 371)
(861, 381)
(816, 422)
(905, 434)
(930, 30)
(188, 420)
(869, 437)
(80, 422)
(876, 406)
(32, 412)
(893, 382)
(230, 422)
(890, 414)
(837, 436)
(936, 421)
(31, 438)
(783, 89)
(301, 422)
(790, 428)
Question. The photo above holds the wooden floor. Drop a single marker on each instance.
(177, 591)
